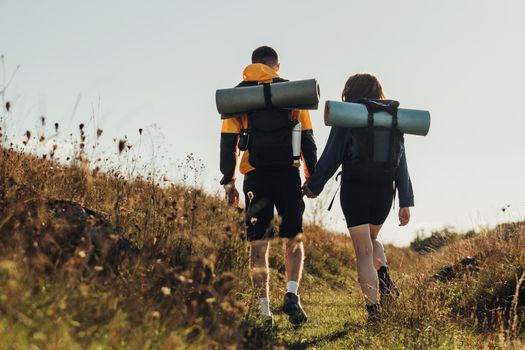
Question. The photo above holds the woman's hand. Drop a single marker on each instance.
(404, 216)
(307, 192)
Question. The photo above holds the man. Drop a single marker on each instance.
(271, 180)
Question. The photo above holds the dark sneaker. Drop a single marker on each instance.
(267, 321)
(292, 307)
(374, 313)
(387, 288)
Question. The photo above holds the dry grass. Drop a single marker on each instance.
(95, 259)
(175, 276)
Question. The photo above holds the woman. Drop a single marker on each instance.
(365, 203)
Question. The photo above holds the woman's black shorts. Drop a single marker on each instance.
(280, 189)
(364, 203)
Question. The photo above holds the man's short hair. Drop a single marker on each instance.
(265, 55)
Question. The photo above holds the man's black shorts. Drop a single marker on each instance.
(364, 203)
(280, 189)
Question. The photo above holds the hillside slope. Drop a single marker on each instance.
(95, 260)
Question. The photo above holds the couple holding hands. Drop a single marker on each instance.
(374, 168)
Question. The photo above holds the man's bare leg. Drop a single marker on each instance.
(294, 260)
(260, 273)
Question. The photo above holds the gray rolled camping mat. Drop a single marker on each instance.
(301, 94)
(355, 115)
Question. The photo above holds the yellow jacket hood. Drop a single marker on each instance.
(259, 72)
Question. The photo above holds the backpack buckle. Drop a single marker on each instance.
(370, 119)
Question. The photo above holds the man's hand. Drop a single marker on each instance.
(307, 192)
(404, 216)
(232, 195)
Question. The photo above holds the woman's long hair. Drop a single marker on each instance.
(362, 85)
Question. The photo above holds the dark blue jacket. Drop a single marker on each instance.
(333, 156)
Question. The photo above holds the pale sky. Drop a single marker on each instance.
(138, 63)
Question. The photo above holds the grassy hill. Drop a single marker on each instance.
(94, 260)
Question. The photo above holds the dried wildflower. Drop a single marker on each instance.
(121, 145)
(81, 126)
(140, 131)
(166, 291)
(250, 195)
(99, 132)
(56, 127)
(43, 120)
(182, 278)
(28, 134)
(42, 138)
(7, 106)
(75, 323)
(253, 221)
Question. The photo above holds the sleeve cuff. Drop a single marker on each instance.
(316, 189)
(406, 202)
(226, 180)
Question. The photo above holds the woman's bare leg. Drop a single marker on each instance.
(365, 261)
(379, 250)
(386, 285)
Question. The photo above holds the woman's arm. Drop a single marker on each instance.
(331, 159)
(403, 183)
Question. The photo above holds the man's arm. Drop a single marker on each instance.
(230, 131)
(228, 157)
(308, 147)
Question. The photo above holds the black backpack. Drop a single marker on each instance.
(268, 137)
(374, 152)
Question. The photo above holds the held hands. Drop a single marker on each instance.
(232, 195)
(404, 216)
(307, 192)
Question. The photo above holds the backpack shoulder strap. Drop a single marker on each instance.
(370, 137)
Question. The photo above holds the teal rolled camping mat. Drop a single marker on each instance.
(355, 115)
(301, 94)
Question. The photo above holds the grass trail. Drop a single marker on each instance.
(338, 320)
(334, 316)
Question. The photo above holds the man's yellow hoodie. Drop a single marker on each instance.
(231, 129)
